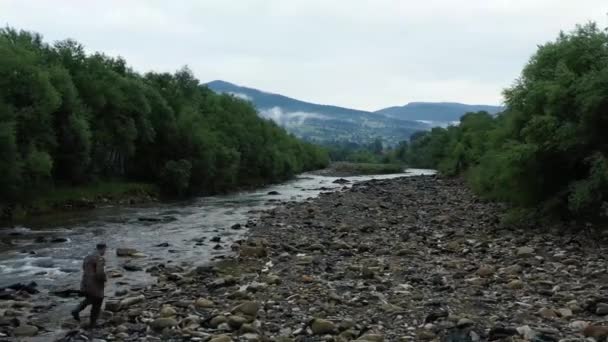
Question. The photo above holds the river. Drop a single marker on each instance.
(178, 233)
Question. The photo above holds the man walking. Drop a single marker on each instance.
(92, 285)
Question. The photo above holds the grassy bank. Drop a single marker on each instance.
(63, 198)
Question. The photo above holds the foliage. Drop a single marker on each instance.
(548, 150)
(71, 118)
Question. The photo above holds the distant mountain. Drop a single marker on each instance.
(435, 112)
(323, 123)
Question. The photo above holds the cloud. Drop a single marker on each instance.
(355, 53)
(289, 119)
(241, 96)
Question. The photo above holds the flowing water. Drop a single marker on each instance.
(50, 251)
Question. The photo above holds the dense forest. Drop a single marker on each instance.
(68, 117)
(547, 152)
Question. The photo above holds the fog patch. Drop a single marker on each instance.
(283, 118)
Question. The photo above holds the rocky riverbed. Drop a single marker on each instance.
(406, 259)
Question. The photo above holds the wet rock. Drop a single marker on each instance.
(164, 244)
(341, 181)
(236, 227)
(30, 288)
(132, 267)
(323, 327)
(273, 193)
(59, 240)
(65, 293)
(126, 252)
(25, 331)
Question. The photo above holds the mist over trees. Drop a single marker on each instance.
(548, 150)
(68, 117)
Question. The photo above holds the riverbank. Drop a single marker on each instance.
(404, 259)
(74, 198)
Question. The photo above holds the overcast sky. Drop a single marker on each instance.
(362, 54)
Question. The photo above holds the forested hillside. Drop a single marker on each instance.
(67, 117)
(547, 152)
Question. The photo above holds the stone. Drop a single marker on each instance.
(25, 330)
(204, 303)
(564, 313)
(217, 320)
(525, 252)
(249, 308)
(425, 335)
(486, 271)
(515, 284)
(220, 338)
(323, 327)
(547, 313)
(163, 322)
(167, 311)
(112, 305)
(596, 331)
(464, 322)
(125, 303)
(125, 252)
(132, 267)
(371, 338)
(235, 322)
(578, 325)
(601, 309)
(253, 252)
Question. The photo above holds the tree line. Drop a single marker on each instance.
(68, 117)
(547, 152)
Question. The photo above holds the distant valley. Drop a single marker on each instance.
(326, 123)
